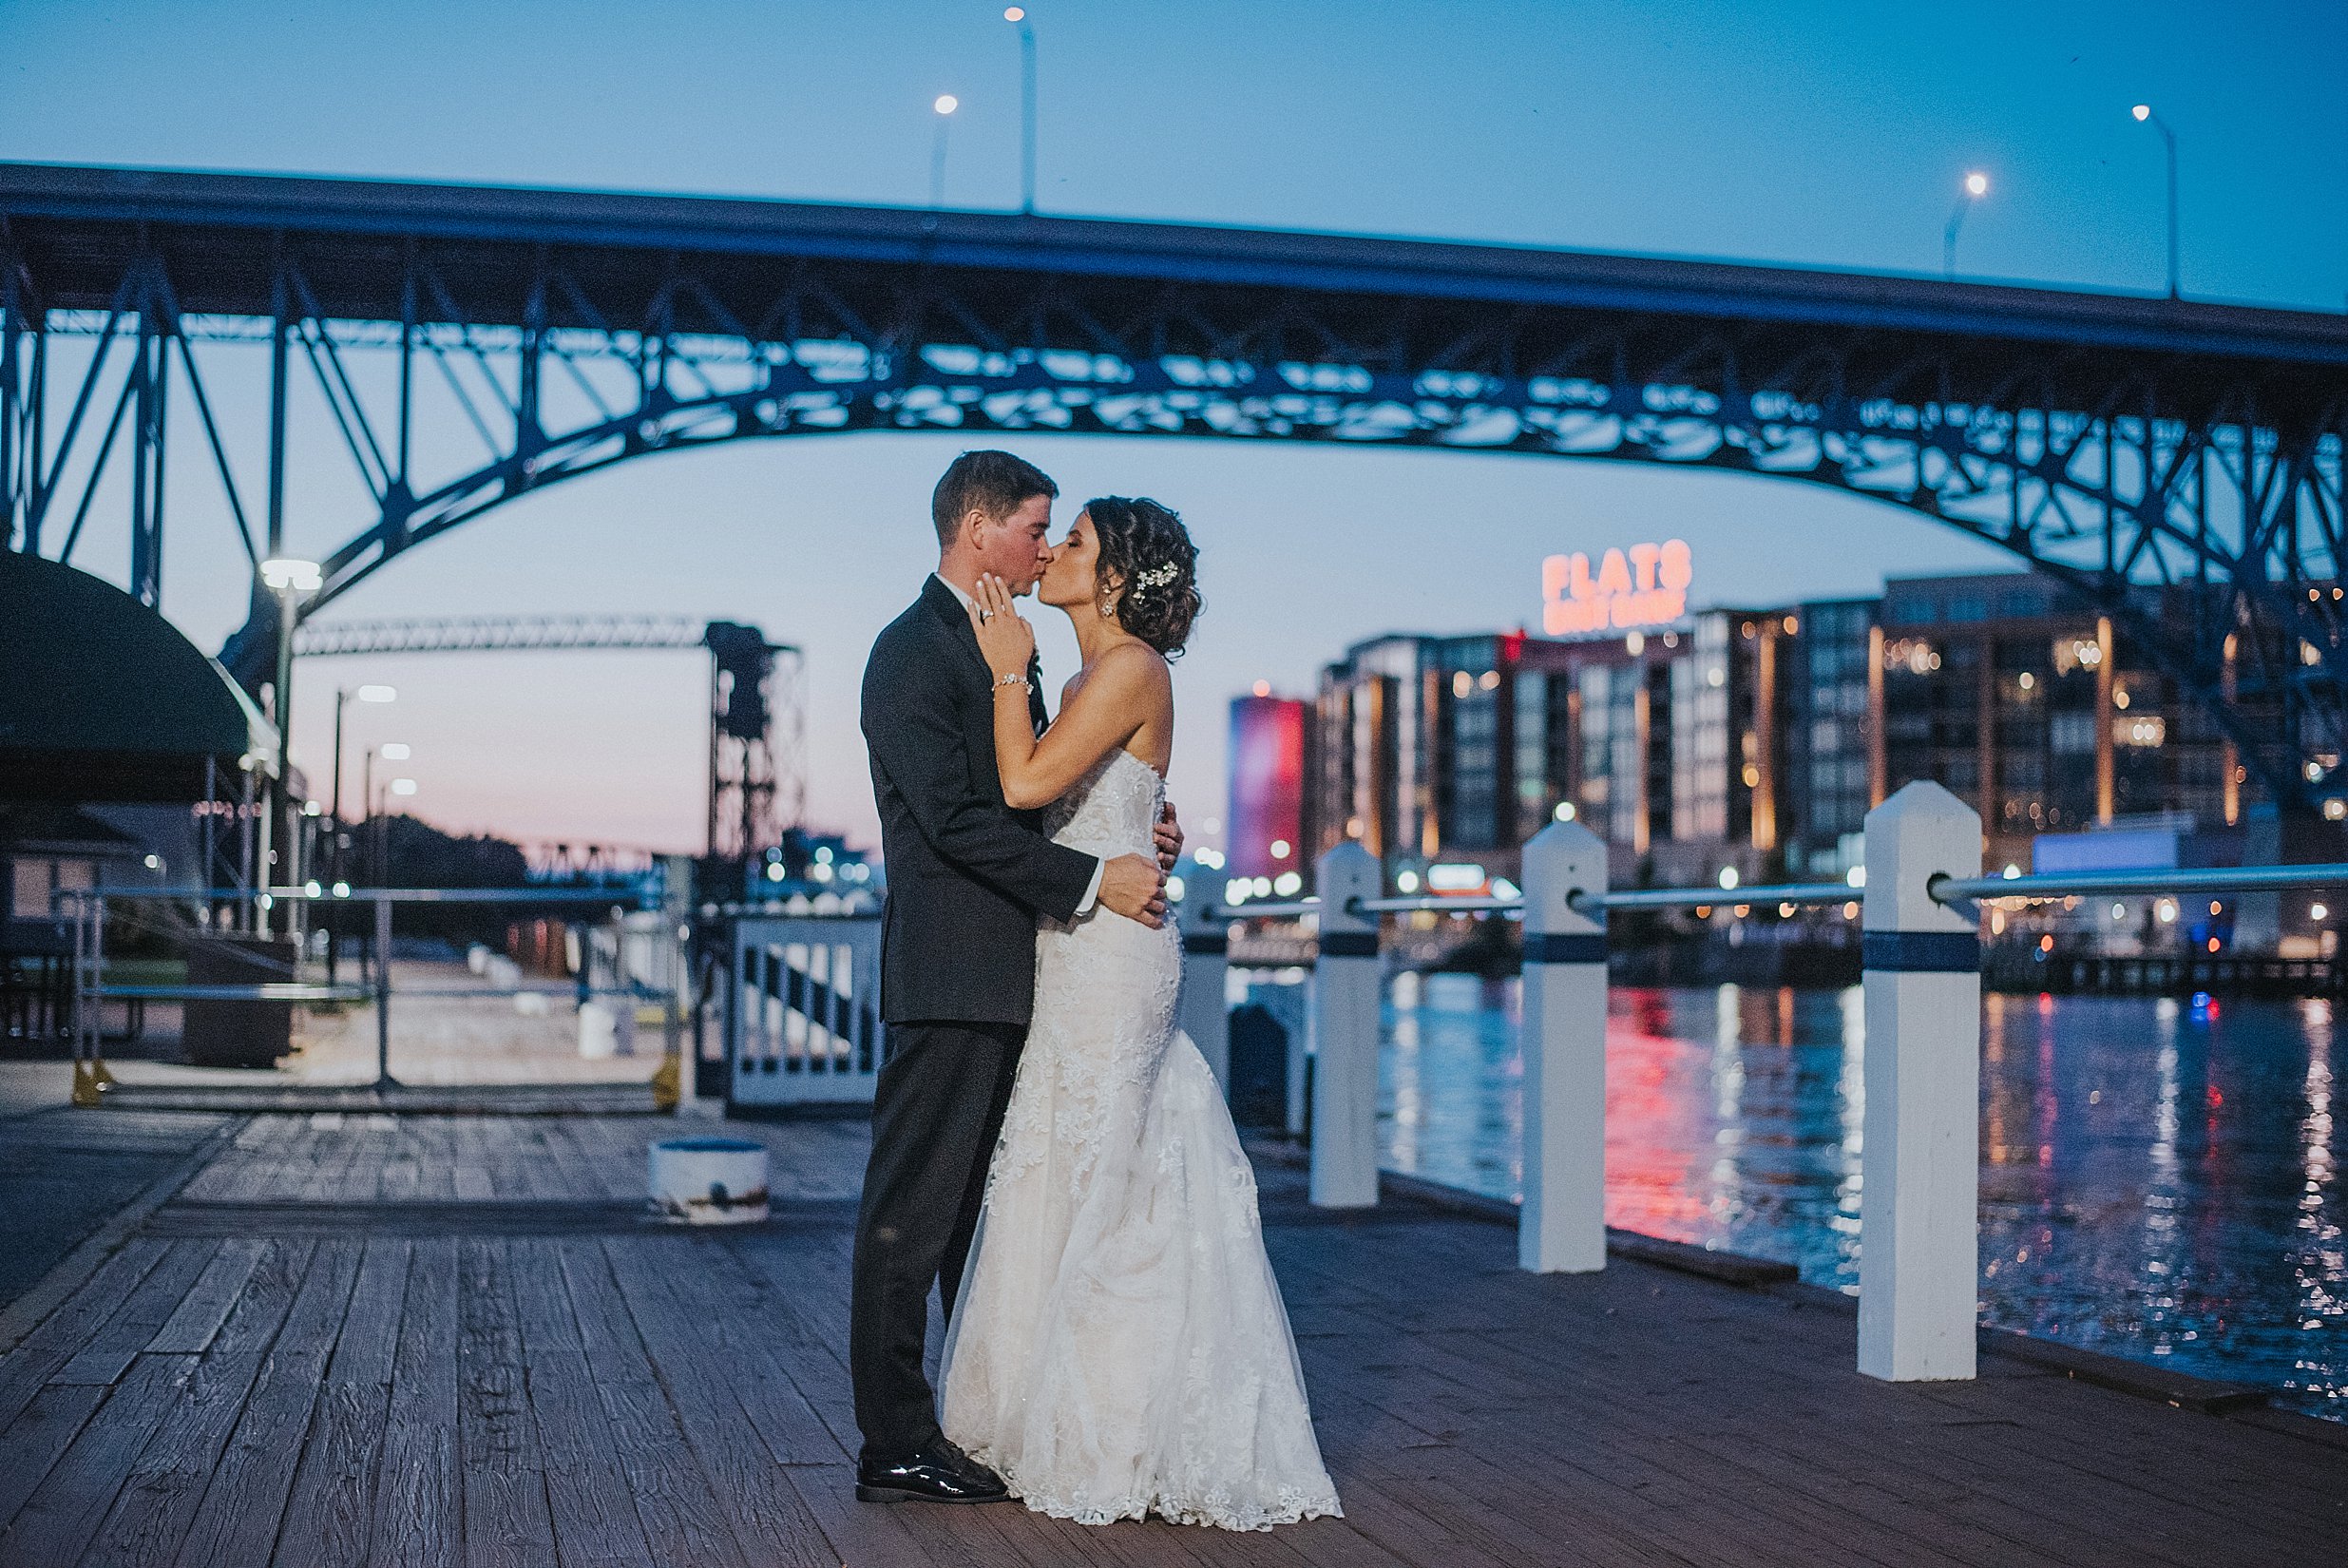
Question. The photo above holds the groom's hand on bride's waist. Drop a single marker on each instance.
(1168, 838)
(1133, 886)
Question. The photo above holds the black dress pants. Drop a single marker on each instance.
(936, 1113)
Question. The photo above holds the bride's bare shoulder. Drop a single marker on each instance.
(1128, 668)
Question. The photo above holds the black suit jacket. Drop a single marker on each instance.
(967, 875)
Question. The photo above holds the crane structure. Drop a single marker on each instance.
(758, 705)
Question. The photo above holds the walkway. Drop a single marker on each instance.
(424, 1340)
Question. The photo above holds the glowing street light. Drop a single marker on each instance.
(945, 105)
(1975, 187)
(1016, 16)
(2144, 116)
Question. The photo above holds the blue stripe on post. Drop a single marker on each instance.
(1349, 943)
(1565, 946)
(1205, 942)
(1921, 952)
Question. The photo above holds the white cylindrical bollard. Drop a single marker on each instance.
(709, 1180)
(1345, 1035)
(1918, 1216)
(599, 1031)
(1206, 1015)
(1561, 1227)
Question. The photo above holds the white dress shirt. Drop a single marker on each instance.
(1092, 891)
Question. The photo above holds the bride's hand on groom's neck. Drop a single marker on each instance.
(1005, 639)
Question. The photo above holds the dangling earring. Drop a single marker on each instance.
(1107, 610)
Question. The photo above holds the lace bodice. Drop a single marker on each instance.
(1112, 810)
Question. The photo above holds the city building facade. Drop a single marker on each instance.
(1751, 741)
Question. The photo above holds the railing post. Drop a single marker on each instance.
(1561, 1227)
(1206, 1016)
(1345, 1035)
(383, 992)
(1918, 1264)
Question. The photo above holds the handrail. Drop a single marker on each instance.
(1637, 898)
(1437, 901)
(1688, 898)
(363, 895)
(2198, 879)
(1944, 889)
(260, 991)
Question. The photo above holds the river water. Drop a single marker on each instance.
(2160, 1179)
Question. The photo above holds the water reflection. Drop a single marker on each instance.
(2158, 1179)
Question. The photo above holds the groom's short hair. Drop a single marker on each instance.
(989, 482)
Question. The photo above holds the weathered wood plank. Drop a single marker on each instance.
(766, 1515)
(200, 1312)
(508, 1522)
(741, 1317)
(62, 1335)
(58, 1520)
(675, 1502)
(416, 1518)
(587, 1491)
(111, 1351)
(329, 1514)
(236, 1526)
(33, 1443)
(159, 1496)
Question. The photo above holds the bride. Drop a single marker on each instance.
(1119, 1348)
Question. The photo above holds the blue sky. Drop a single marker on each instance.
(1828, 135)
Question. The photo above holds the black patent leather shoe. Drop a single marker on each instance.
(940, 1472)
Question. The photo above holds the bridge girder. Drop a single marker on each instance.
(2180, 471)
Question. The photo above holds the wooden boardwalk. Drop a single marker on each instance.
(371, 1340)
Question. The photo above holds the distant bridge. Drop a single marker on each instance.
(467, 345)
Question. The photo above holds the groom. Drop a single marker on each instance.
(967, 876)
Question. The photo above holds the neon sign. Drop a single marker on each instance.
(1643, 585)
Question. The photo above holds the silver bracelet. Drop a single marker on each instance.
(1010, 680)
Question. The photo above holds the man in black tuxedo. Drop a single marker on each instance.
(967, 876)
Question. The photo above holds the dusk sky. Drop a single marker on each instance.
(1827, 135)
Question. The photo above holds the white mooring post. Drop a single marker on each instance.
(1345, 1036)
(1562, 1226)
(1918, 1216)
(1205, 1013)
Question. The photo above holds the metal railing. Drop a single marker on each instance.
(87, 911)
(1920, 898)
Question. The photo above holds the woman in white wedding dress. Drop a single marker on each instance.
(1119, 1348)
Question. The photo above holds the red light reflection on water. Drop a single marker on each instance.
(1673, 1156)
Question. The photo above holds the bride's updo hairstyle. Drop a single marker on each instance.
(1145, 546)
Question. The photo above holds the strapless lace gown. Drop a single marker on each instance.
(1119, 1348)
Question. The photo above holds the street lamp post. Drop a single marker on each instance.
(342, 696)
(288, 579)
(1017, 16)
(2168, 138)
(1975, 187)
(945, 105)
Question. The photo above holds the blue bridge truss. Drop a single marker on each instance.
(2177, 465)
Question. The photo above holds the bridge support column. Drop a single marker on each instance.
(1345, 1035)
(1206, 1017)
(1561, 1227)
(1918, 1264)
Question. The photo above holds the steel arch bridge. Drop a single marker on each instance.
(2177, 465)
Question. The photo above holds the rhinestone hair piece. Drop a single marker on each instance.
(1156, 577)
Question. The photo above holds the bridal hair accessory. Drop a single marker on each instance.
(1156, 577)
